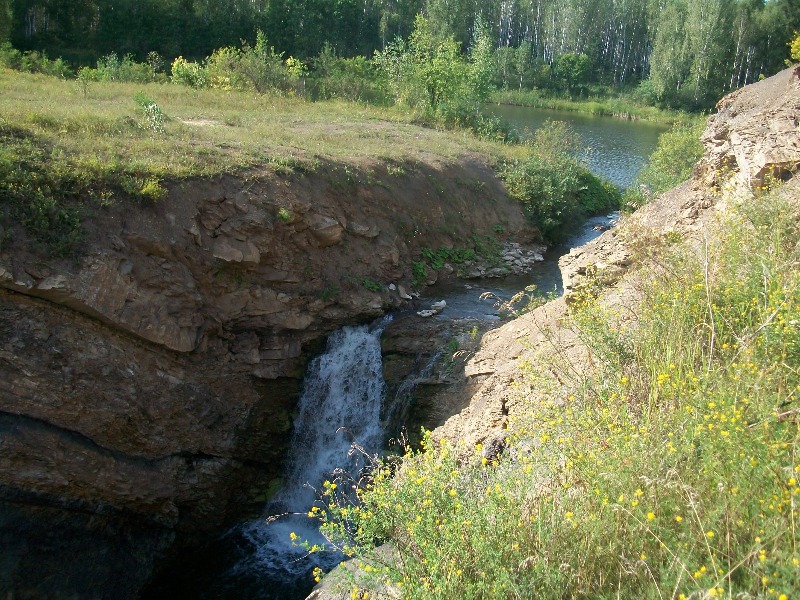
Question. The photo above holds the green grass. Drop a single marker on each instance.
(206, 131)
(672, 472)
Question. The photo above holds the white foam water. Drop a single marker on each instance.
(339, 409)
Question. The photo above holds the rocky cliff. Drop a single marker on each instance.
(147, 386)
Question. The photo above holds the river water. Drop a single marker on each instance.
(344, 391)
(614, 149)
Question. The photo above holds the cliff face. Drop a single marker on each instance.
(153, 380)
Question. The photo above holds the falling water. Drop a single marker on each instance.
(340, 407)
(397, 412)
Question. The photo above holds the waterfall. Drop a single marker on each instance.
(340, 405)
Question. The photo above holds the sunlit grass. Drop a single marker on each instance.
(209, 131)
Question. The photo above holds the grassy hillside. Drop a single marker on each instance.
(672, 472)
(68, 147)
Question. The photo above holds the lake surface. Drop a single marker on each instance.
(615, 149)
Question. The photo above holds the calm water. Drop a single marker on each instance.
(615, 149)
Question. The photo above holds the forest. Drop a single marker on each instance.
(680, 53)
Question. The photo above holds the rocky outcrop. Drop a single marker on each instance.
(754, 134)
(154, 378)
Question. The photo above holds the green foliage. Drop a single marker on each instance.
(429, 73)
(188, 73)
(437, 259)
(113, 68)
(556, 191)
(29, 194)
(32, 62)
(672, 471)
(572, 70)
(371, 285)
(256, 67)
(152, 190)
(329, 293)
(671, 163)
(285, 215)
(418, 272)
(6, 20)
(353, 79)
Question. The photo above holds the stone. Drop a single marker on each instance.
(326, 230)
(755, 134)
(236, 251)
(371, 231)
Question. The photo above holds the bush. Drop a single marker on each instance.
(428, 73)
(126, 69)
(352, 79)
(670, 164)
(257, 68)
(190, 74)
(556, 191)
(153, 118)
(33, 62)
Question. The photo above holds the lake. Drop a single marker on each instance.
(615, 149)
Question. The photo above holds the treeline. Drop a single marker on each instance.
(685, 53)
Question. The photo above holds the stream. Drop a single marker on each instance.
(344, 392)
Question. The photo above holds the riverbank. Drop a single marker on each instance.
(621, 107)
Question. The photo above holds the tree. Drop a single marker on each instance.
(5, 20)
(572, 69)
(430, 73)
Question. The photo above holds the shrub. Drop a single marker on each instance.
(153, 119)
(353, 79)
(33, 62)
(794, 48)
(556, 191)
(257, 68)
(429, 73)
(670, 164)
(188, 73)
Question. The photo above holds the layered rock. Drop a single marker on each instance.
(755, 133)
(154, 378)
